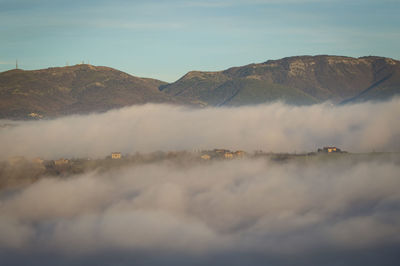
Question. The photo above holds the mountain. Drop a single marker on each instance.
(75, 89)
(295, 80)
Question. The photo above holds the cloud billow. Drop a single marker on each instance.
(304, 211)
(274, 127)
(222, 209)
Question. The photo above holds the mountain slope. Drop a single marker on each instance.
(301, 80)
(76, 89)
(296, 80)
(386, 82)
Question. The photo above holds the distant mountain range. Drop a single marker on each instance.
(296, 80)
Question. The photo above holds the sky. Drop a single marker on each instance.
(166, 39)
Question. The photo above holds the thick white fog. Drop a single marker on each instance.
(275, 127)
(224, 207)
(316, 210)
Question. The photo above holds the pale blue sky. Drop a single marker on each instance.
(166, 39)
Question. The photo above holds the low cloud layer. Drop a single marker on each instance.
(229, 210)
(311, 210)
(275, 127)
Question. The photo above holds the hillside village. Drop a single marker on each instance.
(18, 170)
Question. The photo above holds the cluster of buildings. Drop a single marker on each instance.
(330, 149)
(222, 154)
(204, 155)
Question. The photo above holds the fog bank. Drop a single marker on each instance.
(274, 127)
(226, 209)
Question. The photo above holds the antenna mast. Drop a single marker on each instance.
(16, 64)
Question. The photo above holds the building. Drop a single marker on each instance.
(239, 154)
(205, 157)
(116, 155)
(329, 149)
(35, 115)
(228, 155)
(61, 161)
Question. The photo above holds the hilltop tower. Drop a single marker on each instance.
(16, 64)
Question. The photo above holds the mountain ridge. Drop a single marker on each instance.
(59, 91)
(298, 80)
